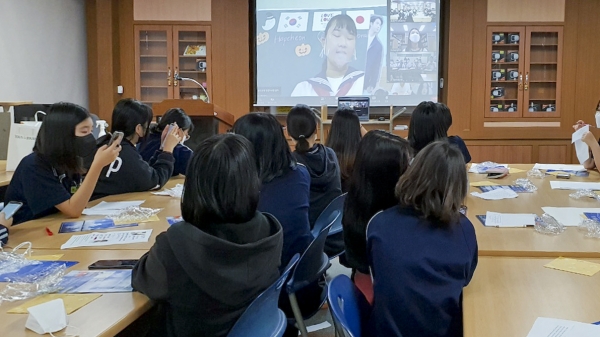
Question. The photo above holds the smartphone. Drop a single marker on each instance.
(11, 208)
(113, 264)
(116, 135)
(563, 176)
(493, 175)
(169, 128)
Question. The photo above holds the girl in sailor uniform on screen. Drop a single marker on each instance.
(336, 78)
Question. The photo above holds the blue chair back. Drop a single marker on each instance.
(312, 264)
(348, 306)
(263, 316)
(332, 213)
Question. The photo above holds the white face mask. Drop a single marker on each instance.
(47, 317)
(415, 37)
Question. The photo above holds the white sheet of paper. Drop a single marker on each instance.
(559, 167)
(497, 194)
(569, 216)
(494, 219)
(577, 135)
(317, 327)
(174, 192)
(553, 327)
(108, 208)
(574, 185)
(106, 239)
(582, 150)
(474, 167)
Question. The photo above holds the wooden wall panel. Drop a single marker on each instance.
(172, 10)
(526, 10)
(231, 77)
(127, 50)
(515, 154)
(553, 154)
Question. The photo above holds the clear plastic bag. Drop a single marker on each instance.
(546, 224)
(526, 184)
(581, 194)
(535, 173)
(134, 214)
(590, 227)
(41, 281)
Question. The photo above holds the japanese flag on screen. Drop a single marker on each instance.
(361, 18)
(321, 19)
(293, 22)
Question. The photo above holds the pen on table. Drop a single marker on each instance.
(49, 232)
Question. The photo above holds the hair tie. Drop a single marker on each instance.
(301, 136)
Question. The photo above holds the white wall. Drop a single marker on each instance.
(43, 51)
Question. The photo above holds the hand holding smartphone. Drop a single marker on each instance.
(116, 135)
(11, 208)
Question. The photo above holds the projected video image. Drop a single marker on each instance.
(324, 51)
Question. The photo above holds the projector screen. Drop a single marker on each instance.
(313, 51)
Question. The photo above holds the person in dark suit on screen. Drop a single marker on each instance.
(374, 55)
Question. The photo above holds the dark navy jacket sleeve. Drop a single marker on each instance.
(458, 142)
(3, 235)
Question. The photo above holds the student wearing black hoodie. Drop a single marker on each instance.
(129, 172)
(322, 165)
(204, 272)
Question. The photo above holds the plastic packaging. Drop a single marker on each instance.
(590, 227)
(526, 184)
(546, 224)
(535, 173)
(43, 280)
(486, 165)
(580, 194)
(134, 214)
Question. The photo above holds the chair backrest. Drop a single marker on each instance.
(348, 306)
(332, 213)
(312, 264)
(263, 317)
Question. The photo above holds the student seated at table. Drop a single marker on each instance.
(181, 153)
(380, 161)
(285, 188)
(204, 271)
(322, 165)
(4, 224)
(430, 122)
(129, 172)
(343, 138)
(51, 178)
(594, 146)
(423, 251)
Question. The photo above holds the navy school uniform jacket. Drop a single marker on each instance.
(40, 187)
(181, 153)
(419, 272)
(287, 198)
(458, 142)
(204, 279)
(130, 173)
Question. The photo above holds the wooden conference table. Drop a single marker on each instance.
(105, 316)
(508, 294)
(5, 177)
(526, 241)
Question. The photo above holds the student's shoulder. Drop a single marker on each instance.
(467, 228)
(33, 163)
(301, 171)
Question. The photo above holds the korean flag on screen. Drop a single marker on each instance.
(321, 19)
(293, 22)
(361, 18)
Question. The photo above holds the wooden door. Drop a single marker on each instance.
(543, 70)
(505, 67)
(153, 63)
(192, 60)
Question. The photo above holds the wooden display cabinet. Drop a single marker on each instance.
(163, 52)
(524, 71)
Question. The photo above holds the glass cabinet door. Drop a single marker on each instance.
(154, 73)
(192, 61)
(542, 76)
(505, 84)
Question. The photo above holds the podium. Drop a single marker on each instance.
(208, 119)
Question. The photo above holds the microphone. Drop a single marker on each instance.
(179, 78)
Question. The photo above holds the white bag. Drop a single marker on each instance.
(21, 141)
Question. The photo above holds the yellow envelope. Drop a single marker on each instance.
(574, 266)
(515, 170)
(54, 257)
(72, 302)
(484, 183)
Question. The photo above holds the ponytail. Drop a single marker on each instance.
(301, 125)
(302, 145)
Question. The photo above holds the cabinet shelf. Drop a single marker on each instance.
(193, 41)
(509, 63)
(153, 71)
(504, 99)
(542, 63)
(154, 86)
(153, 56)
(532, 81)
(544, 45)
(196, 56)
(505, 45)
(151, 40)
(505, 81)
